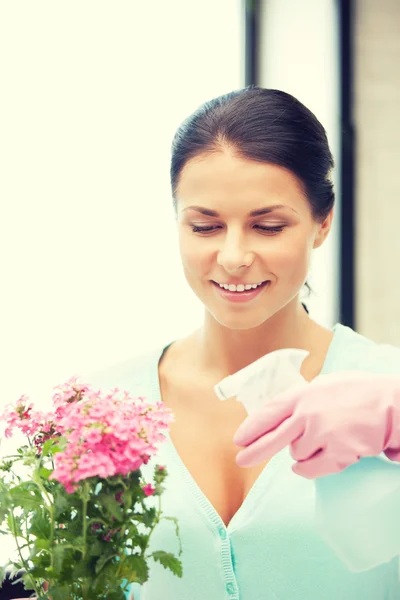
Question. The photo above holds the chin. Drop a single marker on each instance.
(241, 322)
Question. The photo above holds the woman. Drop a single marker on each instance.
(253, 196)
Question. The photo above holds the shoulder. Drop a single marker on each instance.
(352, 351)
(135, 375)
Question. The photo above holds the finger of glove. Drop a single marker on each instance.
(265, 420)
(320, 466)
(310, 441)
(270, 444)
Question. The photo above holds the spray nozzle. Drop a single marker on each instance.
(263, 379)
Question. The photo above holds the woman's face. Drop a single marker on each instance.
(241, 222)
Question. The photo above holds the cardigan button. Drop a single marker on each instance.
(230, 588)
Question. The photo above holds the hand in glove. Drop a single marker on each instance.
(329, 424)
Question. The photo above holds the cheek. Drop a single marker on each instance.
(195, 257)
(290, 258)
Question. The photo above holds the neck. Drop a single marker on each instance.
(225, 351)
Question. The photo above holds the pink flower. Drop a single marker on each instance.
(107, 435)
(148, 489)
(22, 416)
(108, 536)
(93, 436)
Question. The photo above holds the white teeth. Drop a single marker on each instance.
(239, 288)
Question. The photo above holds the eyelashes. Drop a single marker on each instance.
(210, 228)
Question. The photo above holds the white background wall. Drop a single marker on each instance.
(299, 54)
(92, 93)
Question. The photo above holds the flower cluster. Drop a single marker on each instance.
(23, 417)
(81, 514)
(107, 434)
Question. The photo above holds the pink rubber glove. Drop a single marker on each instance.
(329, 424)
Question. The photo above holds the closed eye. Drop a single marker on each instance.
(210, 228)
(274, 229)
(206, 229)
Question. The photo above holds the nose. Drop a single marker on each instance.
(233, 255)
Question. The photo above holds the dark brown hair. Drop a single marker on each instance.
(264, 125)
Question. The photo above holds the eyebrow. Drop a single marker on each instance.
(255, 213)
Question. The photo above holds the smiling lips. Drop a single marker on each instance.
(240, 287)
(241, 292)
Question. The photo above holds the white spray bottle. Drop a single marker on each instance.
(357, 511)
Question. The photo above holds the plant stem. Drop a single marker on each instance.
(85, 500)
(156, 522)
(50, 508)
(20, 554)
(36, 480)
(15, 475)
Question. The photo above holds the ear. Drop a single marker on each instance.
(323, 230)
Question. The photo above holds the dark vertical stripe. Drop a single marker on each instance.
(347, 170)
(251, 50)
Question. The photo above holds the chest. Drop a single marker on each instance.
(202, 434)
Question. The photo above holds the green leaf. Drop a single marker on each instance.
(25, 496)
(59, 553)
(111, 505)
(81, 569)
(26, 579)
(140, 540)
(77, 542)
(28, 582)
(58, 447)
(45, 473)
(14, 525)
(149, 516)
(96, 548)
(61, 504)
(39, 544)
(39, 572)
(168, 561)
(12, 569)
(135, 569)
(71, 535)
(58, 592)
(127, 498)
(102, 562)
(3, 574)
(40, 525)
(5, 501)
(47, 446)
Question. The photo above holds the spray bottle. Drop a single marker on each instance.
(357, 511)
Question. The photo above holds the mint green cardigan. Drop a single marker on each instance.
(270, 549)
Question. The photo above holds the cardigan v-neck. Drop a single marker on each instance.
(271, 549)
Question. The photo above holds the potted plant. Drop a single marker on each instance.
(74, 496)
